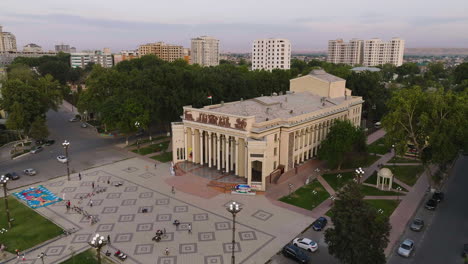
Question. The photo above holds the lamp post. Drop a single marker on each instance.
(41, 256)
(3, 182)
(65, 145)
(394, 154)
(398, 195)
(359, 173)
(98, 242)
(233, 208)
(290, 185)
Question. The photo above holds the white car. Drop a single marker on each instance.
(306, 244)
(30, 172)
(406, 248)
(62, 159)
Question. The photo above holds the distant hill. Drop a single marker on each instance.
(436, 51)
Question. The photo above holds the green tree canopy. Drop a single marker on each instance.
(39, 129)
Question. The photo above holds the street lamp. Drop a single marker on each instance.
(98, 242)
(399, 190)
(3, 182)
(394, 154)
(290, 185)
(359, 173)
(41, 256)
(65, 145)
(233, 208)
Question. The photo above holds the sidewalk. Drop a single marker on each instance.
(375, 136)
(69, 107)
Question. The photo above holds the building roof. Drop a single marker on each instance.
(324, 76)
(385, 172)
(267, 108)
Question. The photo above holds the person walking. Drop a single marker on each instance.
(91, 203)
(190, 229)
(108, 239)
(92, 185)
(79, 176)
(17, 253)
(155, 165)
(173, 190)
(166, 251)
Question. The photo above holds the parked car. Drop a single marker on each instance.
(49, 142)
(319, 224)
(12, 176)
(40, 142)
(74, 119)
(406, 248)
(465, 251)
(84, 125)
(431, 204)
(30, 172)
(305, 243)
(438, 196)
(417, 224)
(62, 159)
(36, 149)
(295, 253)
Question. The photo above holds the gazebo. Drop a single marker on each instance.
(384, 178)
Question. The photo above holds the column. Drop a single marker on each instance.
(201, 147)
(193, 147)
(218, 143)
(205, 138)
(236, 146)
(227, 153)
(185, 144)
(209, 149)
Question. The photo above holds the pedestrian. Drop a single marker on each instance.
(166, 251)
(17, 253)
(155, 165)
(68, 203)
(173, 190)
(108, 239)
(108, 181)
(91, 203)
(79, 176)
(190, 229)
(68, 207)
(92, 185)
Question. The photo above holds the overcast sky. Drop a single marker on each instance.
(309, 24)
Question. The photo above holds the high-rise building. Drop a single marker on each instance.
(205, 51)
(7, 41)
(269, 54)
(31, 47)
(80, 60)
(164, 51)
(345, 52)
(366, 52)
(378, 52)
(62, 48)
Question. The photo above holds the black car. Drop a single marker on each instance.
(431, 204)
(12, 176)
(438, 196)
(319, 224)
(49, 142)
(295, 253)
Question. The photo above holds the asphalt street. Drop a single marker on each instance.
(86, 149)
(446, 228)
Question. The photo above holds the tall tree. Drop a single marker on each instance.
(359, 234)
(341, 140)
(39, 129)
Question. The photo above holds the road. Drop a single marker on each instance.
(86, 150)
(446, 228)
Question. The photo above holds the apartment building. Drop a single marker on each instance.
(31, 47)
(345, 52)
(378, 52)
(64, 48)
(80, 60)
(205, 51)
(269, 54)
(164, 51)
(7, 41)
(125, 55)
(366, 52)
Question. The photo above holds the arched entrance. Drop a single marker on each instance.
(256, 171)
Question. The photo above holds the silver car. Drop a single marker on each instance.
(30, 172)
(417, 224)
(406, 248)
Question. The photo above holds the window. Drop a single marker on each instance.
(274, 165)
(275, 151)
(276, 137)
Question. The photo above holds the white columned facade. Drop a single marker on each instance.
(201, 147)
(218, 143)
(209, 149)
(226, 148)
(186, 144)
(236, 146)
(194, 160)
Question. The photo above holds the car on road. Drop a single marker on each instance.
(465, 251)
(74, 119)
(49, 142)
(84, 125)
(12, 176)
(438, 196)
(295, 253)
(417, 224)
(319, 224)
(62, 159)
(431, 204)
(30, 172)
(406, 248)
(305, 243)
(36, 149)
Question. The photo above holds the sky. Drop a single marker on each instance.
(308, 24)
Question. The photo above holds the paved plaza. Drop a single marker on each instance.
(261, 231)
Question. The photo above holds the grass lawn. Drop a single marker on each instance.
(372, 191)
(403, 160)
(373, 180)
(146, 140)
(388, 206)
(304, 198)
(378, 147)
(152, 148)
(87, 257)
(164, 157)
(359, 160)
(28, 229)
(336, 183)
(407, 174)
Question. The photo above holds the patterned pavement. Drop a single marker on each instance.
(131, 214)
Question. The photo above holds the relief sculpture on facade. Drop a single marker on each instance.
(222, 121)
(240, 124)
(188, 115)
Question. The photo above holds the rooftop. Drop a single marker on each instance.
(324, 76)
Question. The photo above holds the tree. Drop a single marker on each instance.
(461, 73)
(409, 68)
(39, 129)
(342, 139)
(359, 234)
(17, 120)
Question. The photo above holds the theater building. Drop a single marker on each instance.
(269, 134)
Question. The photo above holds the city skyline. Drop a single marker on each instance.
(115, 24)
